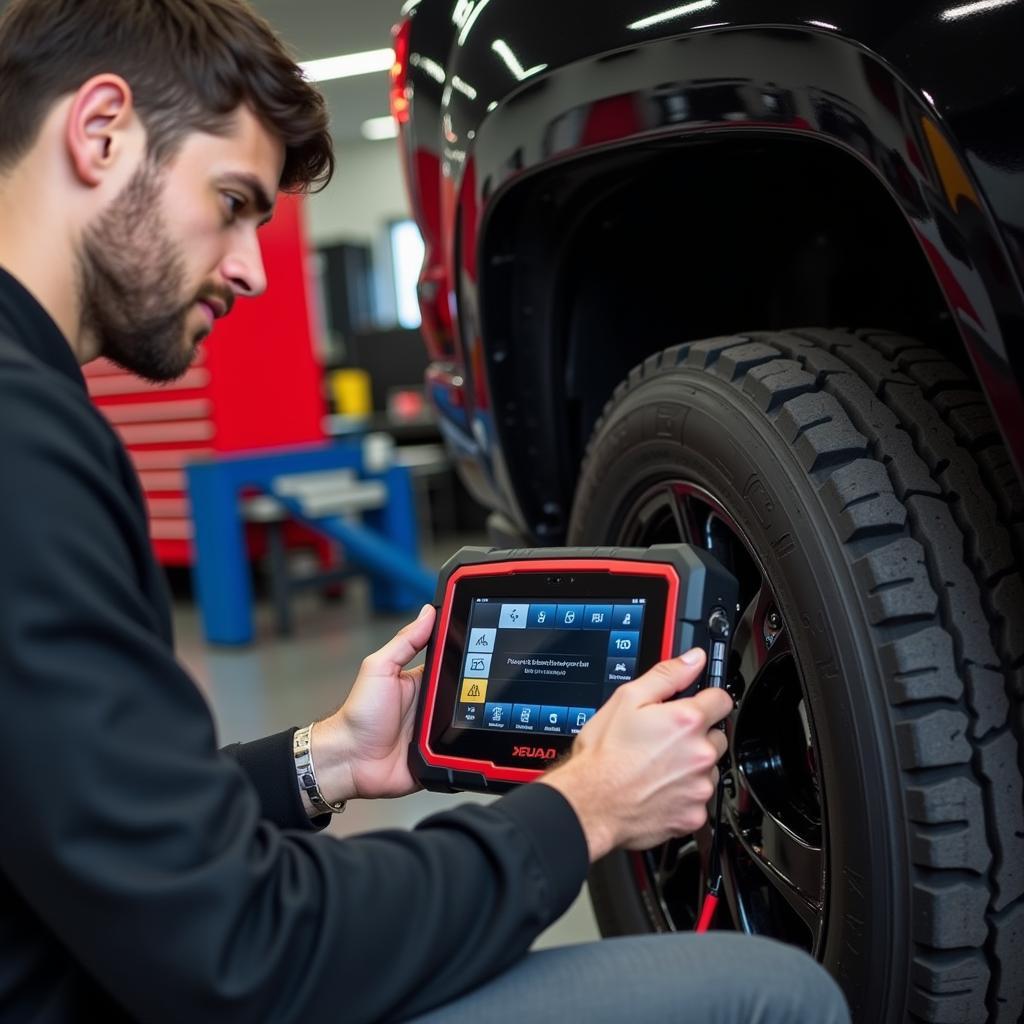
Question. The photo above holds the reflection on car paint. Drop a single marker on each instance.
(626, 74)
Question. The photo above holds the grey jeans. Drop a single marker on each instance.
(716, 978)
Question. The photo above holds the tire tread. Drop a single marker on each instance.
(918, 486)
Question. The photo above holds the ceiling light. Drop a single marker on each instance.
(348, 64)
(378, 128)
(675, 12)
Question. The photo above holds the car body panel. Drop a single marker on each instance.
(927, 97)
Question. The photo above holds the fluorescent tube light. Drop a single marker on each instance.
(378, 128)
(347, 65)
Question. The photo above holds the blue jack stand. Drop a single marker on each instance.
(384, 544)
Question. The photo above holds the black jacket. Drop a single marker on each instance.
(144, 874)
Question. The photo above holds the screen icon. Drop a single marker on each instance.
(478, 665)
(597, 616)
(468, 714)
(497, 716)
(513, 616)
(542, 616)
(474, 691)
(570, 616)
(619, 670)
(525, 717)
(553, 718)
(481, 641)
(578, 717)
(628, 616)
(623, 644)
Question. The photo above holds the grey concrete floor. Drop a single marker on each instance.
(280, 682)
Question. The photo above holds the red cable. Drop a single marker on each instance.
(707, 912)
(710, 905)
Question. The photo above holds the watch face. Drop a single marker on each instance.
(527, 658)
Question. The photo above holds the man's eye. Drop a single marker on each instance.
(234, 205)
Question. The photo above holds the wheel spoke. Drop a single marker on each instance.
(757, 645)
(792, 867)
(677, 879)
(747, 913)
(668, 862)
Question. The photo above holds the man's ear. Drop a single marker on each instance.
(98, 127)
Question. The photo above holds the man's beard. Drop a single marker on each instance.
(132, 277)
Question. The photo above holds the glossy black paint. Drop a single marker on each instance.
(927, 96)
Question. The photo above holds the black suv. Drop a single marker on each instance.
(629, 212)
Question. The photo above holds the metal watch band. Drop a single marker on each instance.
(307, 773)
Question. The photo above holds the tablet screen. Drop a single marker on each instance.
(526, 658)
(533, 665)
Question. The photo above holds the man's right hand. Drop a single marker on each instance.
(642, 769)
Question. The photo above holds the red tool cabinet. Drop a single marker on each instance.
(256, 383)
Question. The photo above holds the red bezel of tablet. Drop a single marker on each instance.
(506, 773)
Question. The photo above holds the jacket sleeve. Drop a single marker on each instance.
(270, 765)
(146, 850)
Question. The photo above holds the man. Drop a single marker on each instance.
(143, 873)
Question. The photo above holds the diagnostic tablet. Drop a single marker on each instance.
(529, 643)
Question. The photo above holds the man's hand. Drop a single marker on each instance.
(360, 750)
(642, 769)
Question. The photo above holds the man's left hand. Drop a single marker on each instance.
(361, 750)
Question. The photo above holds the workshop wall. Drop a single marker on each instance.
(366, 193)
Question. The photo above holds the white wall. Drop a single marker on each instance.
(367, 192)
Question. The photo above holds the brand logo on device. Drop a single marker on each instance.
(544, 753)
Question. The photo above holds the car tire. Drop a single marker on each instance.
(866, 481)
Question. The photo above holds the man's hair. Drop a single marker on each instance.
(190, 64)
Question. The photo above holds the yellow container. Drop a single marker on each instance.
(350, 390)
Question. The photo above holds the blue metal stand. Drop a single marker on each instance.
(385, 546)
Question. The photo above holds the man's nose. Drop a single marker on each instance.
(243, 267)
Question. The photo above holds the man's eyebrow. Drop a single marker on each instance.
(262, 201)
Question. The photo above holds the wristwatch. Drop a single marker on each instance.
(307, 773)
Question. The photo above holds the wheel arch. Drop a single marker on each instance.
(699, 149)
